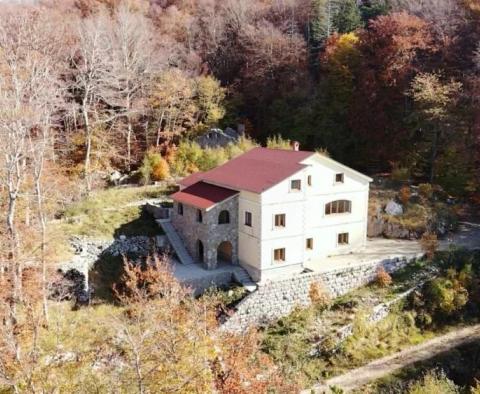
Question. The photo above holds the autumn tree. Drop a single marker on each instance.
(391, 49)
(435, 100)
(131, 64)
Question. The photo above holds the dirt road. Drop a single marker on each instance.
(387, 365)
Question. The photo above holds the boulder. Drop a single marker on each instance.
(393, 208)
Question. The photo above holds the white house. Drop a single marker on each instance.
(271, 210)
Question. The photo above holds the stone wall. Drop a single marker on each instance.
(209, 232)
(275, 299)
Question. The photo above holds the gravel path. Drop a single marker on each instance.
(387, 365)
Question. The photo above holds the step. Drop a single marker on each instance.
(176, 243)
(241, 276)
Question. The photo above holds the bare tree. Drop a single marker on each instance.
(131, 64)
(27, 92)
(90, 65)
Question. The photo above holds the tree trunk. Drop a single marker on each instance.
(433, 156)
(88, 146)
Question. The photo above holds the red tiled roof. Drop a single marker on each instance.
(203, 195)
(191, 179)
(256, 170)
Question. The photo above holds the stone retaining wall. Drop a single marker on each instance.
(275, 299)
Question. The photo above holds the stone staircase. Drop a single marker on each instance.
(241, 276)
(176, 242)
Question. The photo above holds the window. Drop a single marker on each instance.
(296, 184)
(180, 208)
(339, 178)
(309, 180)
(339, 206)
(248, 219)
(279, 254)
(224, 217)
(199, 216)
(280, 220)
(309, 244)
(343, 239)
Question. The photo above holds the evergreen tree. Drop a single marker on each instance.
(347, 17)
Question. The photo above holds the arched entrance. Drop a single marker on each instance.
(200, 251)
(225, 252)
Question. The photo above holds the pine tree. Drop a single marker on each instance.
(347, 17)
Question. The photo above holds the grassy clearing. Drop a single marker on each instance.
(106, 214)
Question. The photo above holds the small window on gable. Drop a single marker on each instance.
(279, 254)
(343, 239)
(280, 220)
(199, 216)
(309, 180)
(339, 178)
(180, 208)
(248, 219)
(309, 243)
(296, 185)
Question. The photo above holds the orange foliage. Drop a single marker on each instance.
(405, 195)
(429, 243)
(242, 368)
(383, 278)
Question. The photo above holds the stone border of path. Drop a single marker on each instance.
(387, 365)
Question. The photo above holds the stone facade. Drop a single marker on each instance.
(275, 299)
(209, 232)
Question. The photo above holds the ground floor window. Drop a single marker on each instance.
(309, 244)
(343, 239)
(279, 254)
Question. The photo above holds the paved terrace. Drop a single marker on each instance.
(377, 249)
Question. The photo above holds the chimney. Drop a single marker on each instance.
(295, 145)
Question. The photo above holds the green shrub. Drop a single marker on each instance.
(277, 142)
(433, 383)
(400, 174)
(154, 168)
(425, 190)
(190, 157)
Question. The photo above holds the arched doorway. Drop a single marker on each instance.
(225, 252)
(200, 251)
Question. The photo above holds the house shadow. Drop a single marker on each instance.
(133, 241)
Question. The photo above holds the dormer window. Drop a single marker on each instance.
(340, 177)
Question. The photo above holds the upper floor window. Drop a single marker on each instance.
(279, 254)
(224, 217)
(180, 208)
(339, 206)
(280, 220)
(339, 178)
(248, 219)
(296, 184)
(199, 216)
(309, 180)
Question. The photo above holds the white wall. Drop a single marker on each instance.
(305, 218)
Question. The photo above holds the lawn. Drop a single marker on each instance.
(110, 213)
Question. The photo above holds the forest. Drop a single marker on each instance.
(91, 88)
